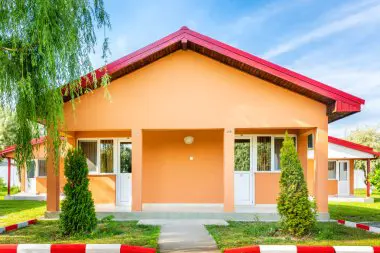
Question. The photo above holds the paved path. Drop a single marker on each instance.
(185, 235)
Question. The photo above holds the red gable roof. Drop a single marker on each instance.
(339, 104)
(352, 145)
(12, 148)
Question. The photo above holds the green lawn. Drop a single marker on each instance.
(15, 211)
(240, 234)
(358, 212)
(127, 232)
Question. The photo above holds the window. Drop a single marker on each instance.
(343, 171)
(42, 168)
(106, 156)
(310, 141)
(277, 148)
(332, 170)
(90, 150)
(264, 153)
(242, 154)
(278, 141)
(31, 169)
(125, 157)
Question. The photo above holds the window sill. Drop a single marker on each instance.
(101, 174)
(268, 172)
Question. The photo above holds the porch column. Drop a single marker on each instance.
(52, 180)
(228, 174)
(9, 176)
(368, 183)
(136, 170)
(321, 172)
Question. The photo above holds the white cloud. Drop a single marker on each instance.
(341, 23)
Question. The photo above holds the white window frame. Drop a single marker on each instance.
(97, 172)
(38, 168)
(336, 170)
(253, 138)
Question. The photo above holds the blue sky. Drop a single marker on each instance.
(336, 42)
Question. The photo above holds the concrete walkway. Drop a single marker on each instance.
(185, 235)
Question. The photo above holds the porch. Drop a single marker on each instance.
(181, 173)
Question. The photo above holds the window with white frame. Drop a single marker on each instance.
(90, 150)
(31, 169)
(266, 151)
(41, 167)
(332, 170)
(99, 153)
(106, 156)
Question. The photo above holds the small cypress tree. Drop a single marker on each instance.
(298, 213)
(78, 210)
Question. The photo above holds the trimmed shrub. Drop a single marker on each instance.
(374, 177)
(298, 213)
(78, 210)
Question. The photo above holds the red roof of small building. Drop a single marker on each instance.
(339, 104)
(12, 148)
(352, 145)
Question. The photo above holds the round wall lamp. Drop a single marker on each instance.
(188, 140)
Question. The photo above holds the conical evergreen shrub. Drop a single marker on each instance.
(298, 213)
(78, 210)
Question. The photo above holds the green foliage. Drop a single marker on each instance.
(7, 129)
(125, 158)
(298, 213)
(242, 155)
(78, 210)
(374, 177)
(43, 45)
(368, 136)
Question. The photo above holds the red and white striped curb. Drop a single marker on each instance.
(304, 249)
(73, 248)
(17, 226)
(359, 225)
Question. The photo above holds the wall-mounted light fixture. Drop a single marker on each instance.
(188, 140)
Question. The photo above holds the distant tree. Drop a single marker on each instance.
(374, 177)
(368, 136)
(7, 128)
(298, 213)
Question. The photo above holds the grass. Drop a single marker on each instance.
(47, 231)
(358, 212)
(15, 211)
(240, 234)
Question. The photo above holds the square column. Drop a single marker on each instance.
(321, 171)
(136, 170)
(228, 169)
(52, 180)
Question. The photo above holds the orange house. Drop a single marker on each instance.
(195, 124)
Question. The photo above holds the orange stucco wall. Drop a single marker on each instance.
(267, 187)
(41, 185)
(332, 187)
(102, 188)
(170, 176)
(186, 90)
(352, 177)
(310, 176)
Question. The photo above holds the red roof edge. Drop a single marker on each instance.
(352, 145)
(345, 103)
(12, 148)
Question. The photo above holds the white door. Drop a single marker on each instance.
(343, 178)
(124, 173)
(30, 177)
(243, 175)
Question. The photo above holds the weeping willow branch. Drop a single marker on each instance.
(43, 45)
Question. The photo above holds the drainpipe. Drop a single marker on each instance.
(9, 176)
(368, 183)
